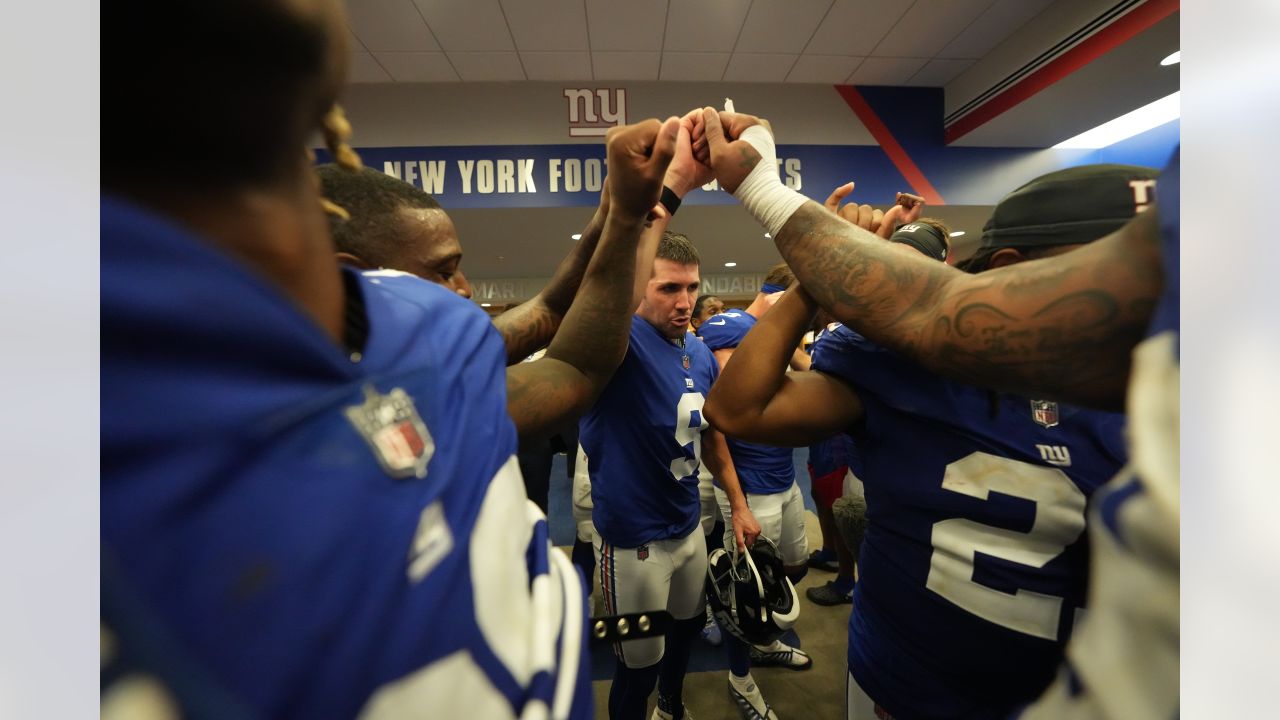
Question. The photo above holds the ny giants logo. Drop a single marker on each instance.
(593, 112)
(1143, 191)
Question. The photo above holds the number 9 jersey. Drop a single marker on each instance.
(974, 562)
(643, 439)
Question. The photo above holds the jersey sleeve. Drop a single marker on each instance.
(722, 331)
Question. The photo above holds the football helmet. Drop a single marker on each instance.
(750, 594)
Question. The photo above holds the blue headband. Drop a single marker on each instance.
(770, 288)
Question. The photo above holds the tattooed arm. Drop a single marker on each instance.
(756, 399)
(531, 325)
(1061, 327)
(545, 395)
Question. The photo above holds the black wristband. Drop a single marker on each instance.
(670, 200)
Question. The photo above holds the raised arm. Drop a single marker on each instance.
(756, 399)
(530, 325)
(1060, 327)
(545, 395)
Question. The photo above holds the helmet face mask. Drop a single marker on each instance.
(750, 594)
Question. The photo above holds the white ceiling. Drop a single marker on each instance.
(861, 42)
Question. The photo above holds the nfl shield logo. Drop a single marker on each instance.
(1044, 412)
(395, 432)
(642, 552)
(685, 361)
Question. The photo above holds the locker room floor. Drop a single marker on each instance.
(816, 692)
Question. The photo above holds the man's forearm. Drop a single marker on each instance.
(531, 325)
(593, 336)
(715, 453)
(749, 383)
(1059, 328)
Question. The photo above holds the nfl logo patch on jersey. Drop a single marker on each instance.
(1044, 412)
(642, 552)
(395, 432)
(685, 362)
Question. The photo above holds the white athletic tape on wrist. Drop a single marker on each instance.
(762, 192)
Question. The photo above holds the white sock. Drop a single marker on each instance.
(744, 684)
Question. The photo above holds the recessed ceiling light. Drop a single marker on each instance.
(486, 304)
(1165, 110)
(731, 264)
(957, 233)
(576, 236)
(1173, 59)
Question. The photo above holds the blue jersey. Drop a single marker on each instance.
(323, 534)
(974, 561)
(839, 451)
(1124, 661)
(762, 469)
(643, 439)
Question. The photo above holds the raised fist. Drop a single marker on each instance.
(638, 156)
(717, 141)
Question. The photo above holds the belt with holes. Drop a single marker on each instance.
(628, 626)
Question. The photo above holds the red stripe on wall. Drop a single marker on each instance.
(919, 183)
(1090, 49)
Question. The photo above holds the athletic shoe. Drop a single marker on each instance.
(711, 631)
(829, 594)
(751, 704)
(660, 714)
(823, 560)
(779, 654)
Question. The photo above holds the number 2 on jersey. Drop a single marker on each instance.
(689, 426)
(1058, 523)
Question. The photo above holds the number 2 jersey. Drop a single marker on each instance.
(643, 439)
(1123, 663)
(762, 469)
(322, 535)
(974, 562)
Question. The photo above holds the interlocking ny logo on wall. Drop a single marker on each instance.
(593, 112)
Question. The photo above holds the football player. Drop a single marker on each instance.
(767, 474)
(1080, 328)
(644, 442)
(299, 459)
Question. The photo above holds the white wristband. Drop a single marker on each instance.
(762, 192)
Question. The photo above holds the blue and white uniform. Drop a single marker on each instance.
(974, 562)
(1124, 661)
(762, 469)
(767, 473)
(324, 537)
(643, 447)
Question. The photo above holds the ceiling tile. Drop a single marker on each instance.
(928, 26)
(364, 69)
(471, 26)
(487, 66)
(417, 67)
(993, 27)
(626, 65)
(939, 71)
(885, 71)
(831, 69)
(760, 68)
(855, 27)
(705, 26)
(393, 25)
(635, 25)
(693, 67)
(547, 25)
(780, 26)
(557, 65)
